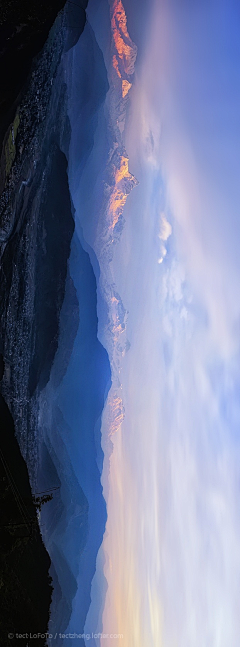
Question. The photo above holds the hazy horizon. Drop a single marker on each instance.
(156, 198)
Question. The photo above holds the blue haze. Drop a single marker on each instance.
(71, 404)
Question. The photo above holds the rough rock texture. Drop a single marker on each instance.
(24, 27)
(25, 587)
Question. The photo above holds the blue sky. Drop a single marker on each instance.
(175, 466)
(171, 548)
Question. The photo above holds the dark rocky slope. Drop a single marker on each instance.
(24, 27)
(25, 587)
(36, 227)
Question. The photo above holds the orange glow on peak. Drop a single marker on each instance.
(126, 49)
(115, 65)
(123, 170)
(119, 194)
(125, 87)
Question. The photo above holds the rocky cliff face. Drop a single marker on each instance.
(25, 588)
(24, 27)
(36, 227)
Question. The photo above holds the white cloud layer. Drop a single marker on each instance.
(173, 515)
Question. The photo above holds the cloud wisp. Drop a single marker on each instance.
(171, 544)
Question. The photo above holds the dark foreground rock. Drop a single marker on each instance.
(36, 228)
(25, 586)
(24, 27)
